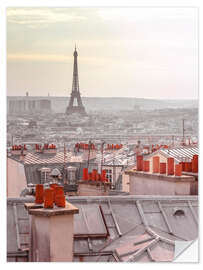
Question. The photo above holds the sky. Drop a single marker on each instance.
(122, 52)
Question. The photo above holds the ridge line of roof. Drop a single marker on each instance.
(117, 198)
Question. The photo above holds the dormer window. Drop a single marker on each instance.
(178, 212)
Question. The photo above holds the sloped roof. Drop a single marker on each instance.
(117, 159)
(39, 158)
(126, 219)
(32, 171)
(181, 153)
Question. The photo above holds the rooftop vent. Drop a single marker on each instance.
(55, 172)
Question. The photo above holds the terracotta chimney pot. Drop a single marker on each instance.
(39, 194)
(146, 165)
(139, 163)
(162, 168)
(156, 164)
(178, 170)
(170, 163)
(48, 198)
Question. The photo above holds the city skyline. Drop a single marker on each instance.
(122, 52)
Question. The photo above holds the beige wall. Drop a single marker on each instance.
(52, 238)
(149, 186)
(85, 189)
(16, 180)
(125, 183)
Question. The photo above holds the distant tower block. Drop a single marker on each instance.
(75, 94)
(27, 94)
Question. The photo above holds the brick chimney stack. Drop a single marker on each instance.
(51, 233)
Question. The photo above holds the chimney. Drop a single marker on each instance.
(90, 176)
(51, 231)
(94, 174)
(54, 186)
(103, 175)
(139, 163)
(98, 176)
(156, 164)
(39, 194)
(183, 165)
(85, 173)
(195, 164)
(146, 165)
(170, 163)
(162, 168)
(178, 170)
(48, 198)
(188, 166)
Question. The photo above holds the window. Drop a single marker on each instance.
(178, 212)
(109, 177)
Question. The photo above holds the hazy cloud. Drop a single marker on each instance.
(143, 52)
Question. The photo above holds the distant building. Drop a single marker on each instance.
(28, 105)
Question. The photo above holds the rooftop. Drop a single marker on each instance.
(116, 228)
(181, 153)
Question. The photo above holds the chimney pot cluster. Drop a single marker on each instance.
(94, 175)
(19, 147)
(85, 146)
(50, 196)
(191, 166)
(49, 146)
(40, 148)
(170, 167)
(114, 146)
(157, 147)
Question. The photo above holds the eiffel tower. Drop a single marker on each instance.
(75, 94)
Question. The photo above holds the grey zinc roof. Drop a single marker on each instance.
(58, 157)
(118, 158)
(181, 153)
(118, 228)
(32, 172)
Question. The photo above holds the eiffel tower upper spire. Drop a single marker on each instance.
(75, 94)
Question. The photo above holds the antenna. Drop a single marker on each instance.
(183, 131)
(90, 144)
(65, 157)
(64, 165)
(102, 154)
